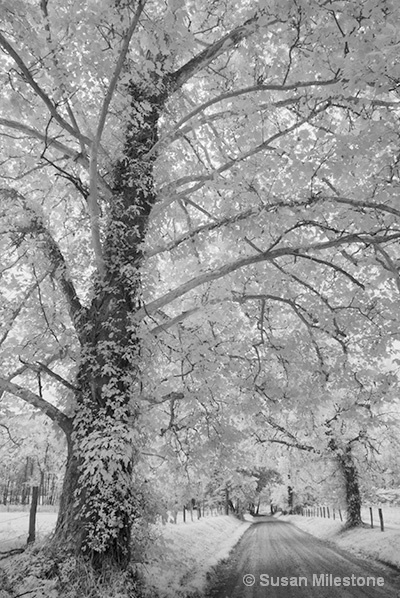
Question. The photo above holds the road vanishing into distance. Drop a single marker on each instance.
(274, 559)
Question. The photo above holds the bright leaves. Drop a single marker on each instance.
(241, 187)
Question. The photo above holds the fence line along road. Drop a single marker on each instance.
(327, 512)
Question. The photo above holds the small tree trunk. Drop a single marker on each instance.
(290, 498)
(6, 492)
(226, 500)
(32, 515)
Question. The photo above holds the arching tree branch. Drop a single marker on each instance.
(53, 253)
(200, 180)
(42, 367)
(93, 205)
(229, 41)
(267, 256)
(27, 75)
(35, 400)
(7, 325)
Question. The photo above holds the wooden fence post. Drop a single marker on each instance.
(381, 519)
(371, 516)
(32, 515)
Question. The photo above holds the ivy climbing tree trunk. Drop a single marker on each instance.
(348, 470)
(98, 503)
(352, 488)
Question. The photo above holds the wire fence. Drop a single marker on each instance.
(14, 529)
(375, 514)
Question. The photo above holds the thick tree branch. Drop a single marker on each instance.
(211, 226)
(117, 72)
(203, 178)
(381, 207)
(178, 130)
(53, 144)
(56, 258)
(27, 76)
(337, 334)
(253, 89)
(35, 400)
(334, 267)
(74, 122)
(170, 135)
(53, 253)
(173, 321)
(50, 142)
(93, 205)
(265, 145)
(47, 361)
(7, 325)
(267, 256)
(270, 421)
(175, 81)
(292, 441)
(320, 296)
(42, 367)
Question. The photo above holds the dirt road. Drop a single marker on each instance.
(274, 559)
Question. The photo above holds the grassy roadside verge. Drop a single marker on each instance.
(183, 555)
(383, 547)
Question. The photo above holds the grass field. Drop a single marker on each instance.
(14, 527)
(14, 523)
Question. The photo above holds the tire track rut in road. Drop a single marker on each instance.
(276, 555)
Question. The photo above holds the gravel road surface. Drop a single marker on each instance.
(274, 559)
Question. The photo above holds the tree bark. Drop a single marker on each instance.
(348, 468)
(32, 515)
(98, 504)
(352, 489)
(290, 495)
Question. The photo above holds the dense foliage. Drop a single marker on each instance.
(199, 240)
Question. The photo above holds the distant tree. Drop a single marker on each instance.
(342, 427)
(32, 453)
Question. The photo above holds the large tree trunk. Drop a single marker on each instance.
(98, 503)
(348, 469)
(352, 488)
